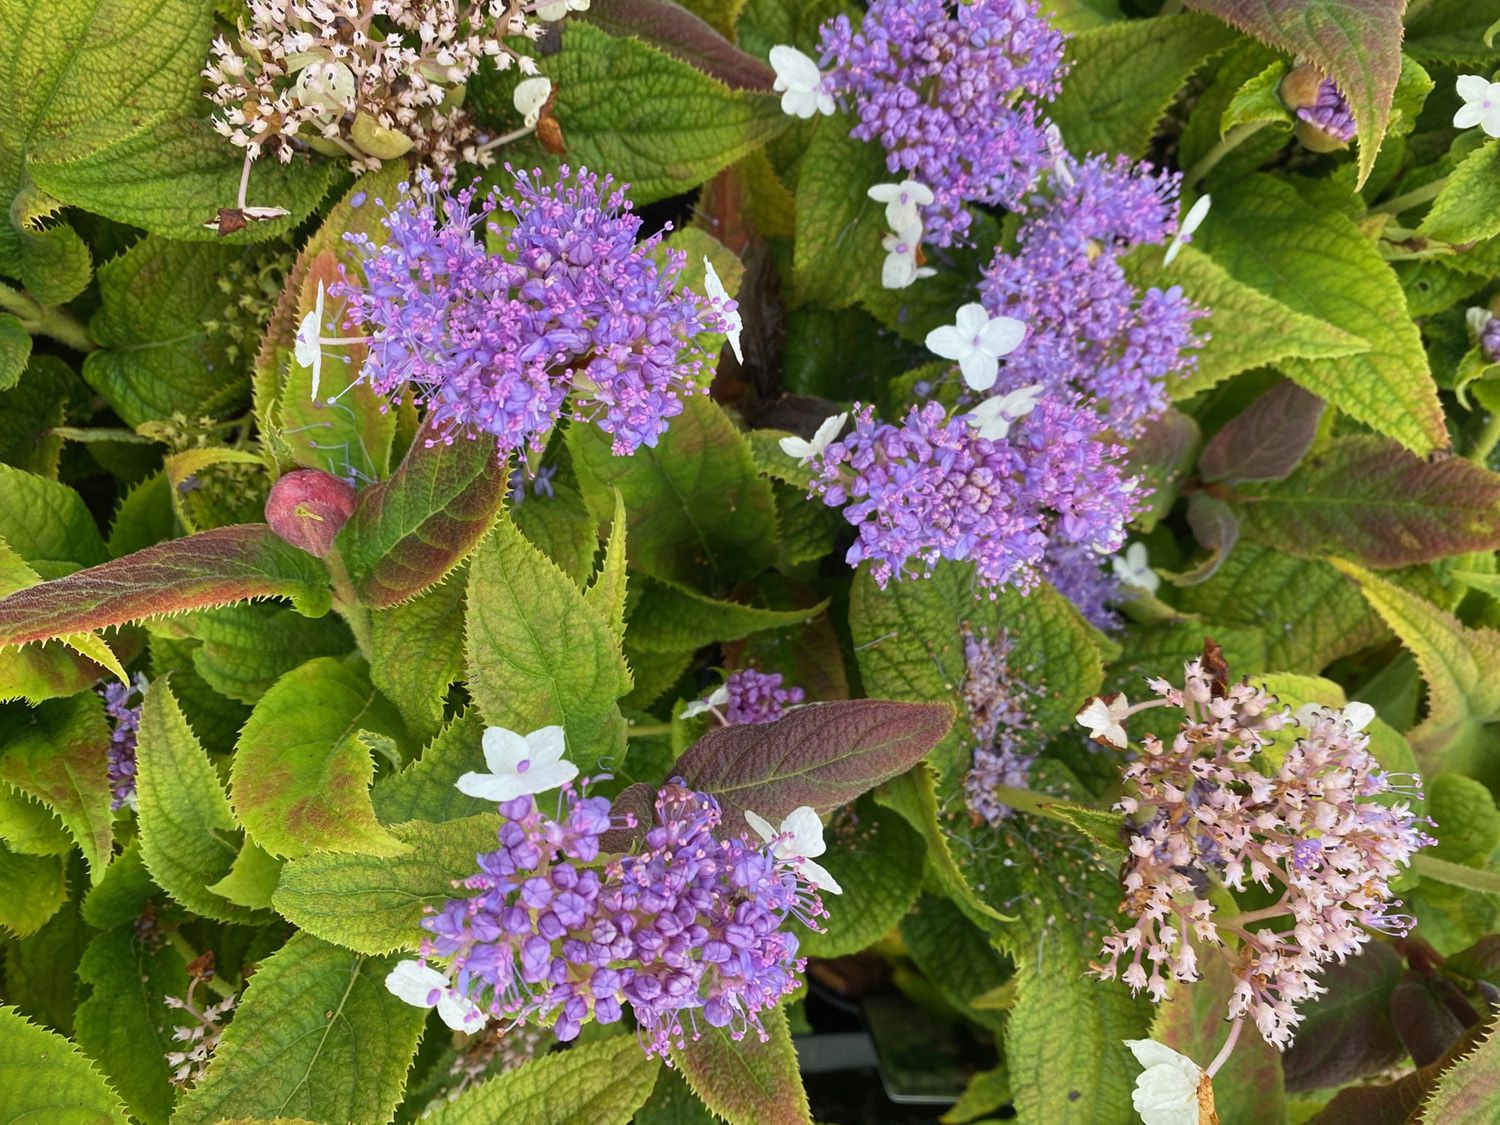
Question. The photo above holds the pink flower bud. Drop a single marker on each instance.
(307, 507)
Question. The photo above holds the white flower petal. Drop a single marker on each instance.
(899, 270)
(971, 320)
(796, 447)
(720, 297)
(546, 746)
(793, 68)
(762, 826)
(828, 429)
(487, 786)
(1477, 317)
(531, 94)
(1472, 87)
(415, 983)
(947, 342)
(884, 193)
(806, 830)
(1002, 335)
(1102, 717)
(818, 876)
(1166, 1091)
(980, 369)
(504, 750)
(460, 1013)
(1468, 115)
(1359, 715)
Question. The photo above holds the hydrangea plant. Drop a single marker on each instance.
(554, 555)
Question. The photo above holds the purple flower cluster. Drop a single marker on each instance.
(1089, 330)
(1083, 577)
(1322, 835)
(951, 96)
(1330, 113)
(757, 697)
(575, 306)
(693, 922)
(127, 722)
(1489, 340)
(932, 488)
(1006, 736)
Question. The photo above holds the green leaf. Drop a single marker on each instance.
(45, 1078)
(562, 529)
(1468, 1093)
(56, 753)
(218, 567)
(669, 618)
(125, 1024)
(539, 653)
(606, 594)
(1368, 500)
(30, 827)
(1468, 207)
(1321, 265)
(317, 1036)
(417, 650)
(700, 514)
(36, 886)
(409, 532)
(1124, 75)
(15, 350)
(1357, 43)
(30, 411)
(839, 227)
(173, 178)
(157, 356)
(121, 896)
(47, 524)
(698, 32)
(1266, 440)
(957, 957)
(747, 1080)
(252, 879)
(373, 904)
(1457, 874)
(1250, 1086)
(40, 977)
(654, 121)
(598, 1083)
(1457, 665)
(427, 789)
(79, 76)
(302, 768)
(877, 859)
(824, 755)
(189, 838)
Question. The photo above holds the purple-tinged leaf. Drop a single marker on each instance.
(1423, 1020)
(824, 755)
(1357, 43)
(1346, 1033)
(1395, 1103)
(56, 753)
(1468, 1093)
(1365, 498)
(1268, 440)
(684, 35)
(747, 1080)
(218, 567)
(1162, 455)
(1480, 961)
(409, 532)
(1217, 529)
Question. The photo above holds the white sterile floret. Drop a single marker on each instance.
(1478, 318)
(900, 268)
(327, 87)
(531, 94)
(1190, 222)
(308, 348)
(1104, 716)
(902, 202)
(800, 83)
(422, 986)
(520, 766)
(711, 702)
(1132, 566)
(977, 340)
(1356, 716)
(799, 838)
(804, 450)
(721, 299)
(553, 10)
(992, 418)
(1481, 104)
(1166, 1092)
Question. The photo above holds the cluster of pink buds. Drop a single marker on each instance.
(1323, 830)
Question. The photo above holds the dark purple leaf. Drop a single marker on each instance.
(1480, 961)
(1425, 1023)
(1161, 456)
(1347, 1034)
(824, 755)
(684, 35)
(1268, 440)
(1217, 528)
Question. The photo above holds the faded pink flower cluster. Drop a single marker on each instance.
(1324, 831)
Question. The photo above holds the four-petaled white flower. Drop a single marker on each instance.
(711, 702)
(900, 268)
(1481, 104)
(422, 986)
(799, 838)
(1477, 317)
(1105, 716)
(977, 340)
(800, 83)
(992, 418)
(1356, 715)
(326, 87)
(804, 450)
(1132, 566)
(531, 94)
(1061, 165)
(308, 348)
(1167, 1091)
(901, 203)
(1190, 222)
(720, 297)
(552, 10)
(519, 766)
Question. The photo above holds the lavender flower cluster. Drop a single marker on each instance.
(1007, 738)
(126, 716)
(1325, 831)
(692, 923)
(574, 308)
(951, 96)
(757, 697)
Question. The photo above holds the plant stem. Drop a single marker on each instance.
(189, 955)
(1410, 199)
(46, 320)
(1223, 1056)
(347, 605)
(1488, 438)
(647, 730)
(1227, 144)
(1030, 801)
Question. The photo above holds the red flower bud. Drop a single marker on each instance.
(307, 507)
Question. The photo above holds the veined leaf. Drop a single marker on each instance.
(839, 227)
(302, 768)
(1468, 1093)
(317, 1036)
(45, 1078)
(56, 753)
(36, 886)
(46, 523)
(15, 350)
(670, 618)
(1468, 207)
(694, 32)
(1357, 43)
(1267, 440)
(427, 788)
(747, 1080)
(417, 650)
(877, 859)
(607, 591)
(214, 568)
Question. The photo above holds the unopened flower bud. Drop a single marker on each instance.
(1325, 122)
(307, 507)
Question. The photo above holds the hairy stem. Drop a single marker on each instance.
(1399, 203)
(46, 320)
(1227, 144)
